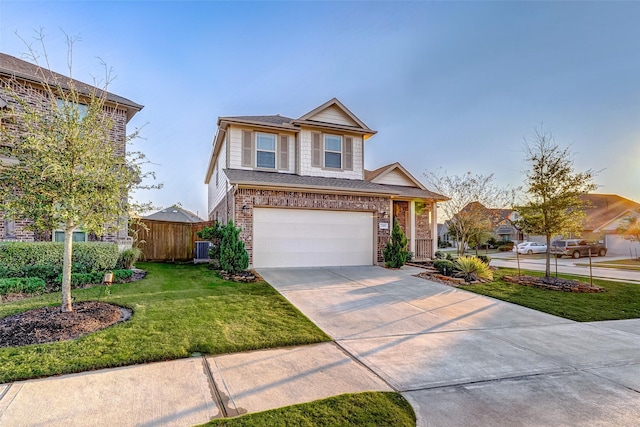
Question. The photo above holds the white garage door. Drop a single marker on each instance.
(616, 245)
(311, 238)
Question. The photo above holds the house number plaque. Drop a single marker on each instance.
(383, 225)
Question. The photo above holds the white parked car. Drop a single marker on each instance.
(530, 248)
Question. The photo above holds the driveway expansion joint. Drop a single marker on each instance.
(215, 392)
(364, 365)
(5, 391)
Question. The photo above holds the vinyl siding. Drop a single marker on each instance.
(333, 115)
(306, 151)
(395, 177)
(235, 152)
(217, 193)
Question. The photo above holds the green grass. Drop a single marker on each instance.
(621, 264)
(177, 310)
(361, 409)
(620, 301)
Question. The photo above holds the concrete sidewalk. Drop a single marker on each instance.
(186, 392)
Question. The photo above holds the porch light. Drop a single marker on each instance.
(385, 215)
(245, 209)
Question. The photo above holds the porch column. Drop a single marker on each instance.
(412, 226)
(434, 226)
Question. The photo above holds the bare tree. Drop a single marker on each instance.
(471, 198)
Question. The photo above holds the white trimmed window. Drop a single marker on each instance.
(333, 151)
(265, 150)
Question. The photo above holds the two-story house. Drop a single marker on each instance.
(299, 191)
(25, 80)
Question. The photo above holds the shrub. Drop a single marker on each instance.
(505, 248)
(214, 235)
(127, 258)
(484, 259)
(472, 269)
(449, 257)
(94, 278)
(87, 256)
(28, 285)
(439, 255)
(395, 252)
(48, 273)
(233, 256)
(444, 266)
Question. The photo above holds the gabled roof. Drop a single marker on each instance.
(311, 118)
(13, 67)
(603, 208)
(277, 120)
(255, 178)
(379, 173)
(175, 214)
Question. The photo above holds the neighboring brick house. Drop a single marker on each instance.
(26, 80)
(300, 193)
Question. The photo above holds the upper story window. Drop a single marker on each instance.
(266, 150)
(333, 151)
(82, 109)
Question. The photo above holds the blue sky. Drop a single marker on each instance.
(453, 85)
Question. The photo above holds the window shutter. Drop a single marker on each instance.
(348, 152)
(317, 150)
(284, 152)
(247, 148)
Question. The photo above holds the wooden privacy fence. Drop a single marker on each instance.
(167, 240)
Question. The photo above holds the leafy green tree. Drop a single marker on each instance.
(553, 187)
(233, 256)
(65, 169)
(395, 252)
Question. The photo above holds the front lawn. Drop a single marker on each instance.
(177, 310)
(361, 409)
(620, 301)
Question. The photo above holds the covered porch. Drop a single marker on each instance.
(417, 219)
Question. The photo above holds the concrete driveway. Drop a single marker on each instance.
(464, 359)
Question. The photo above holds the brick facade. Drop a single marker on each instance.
(423, 224)
(37, 98)
(306, 200)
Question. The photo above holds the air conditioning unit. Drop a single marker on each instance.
(202, 251)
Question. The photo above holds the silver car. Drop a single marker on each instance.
(531, 248)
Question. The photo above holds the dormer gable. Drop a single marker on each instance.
(393, 174)
(334, 114)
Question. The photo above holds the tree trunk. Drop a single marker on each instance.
(66, 270)
(547, 269)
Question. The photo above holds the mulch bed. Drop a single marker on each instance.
(554, 284)
(49, 324)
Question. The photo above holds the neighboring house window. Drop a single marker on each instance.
(78, 236)
(266, 150)
(9, 229)
(333, 151)
(82, 108)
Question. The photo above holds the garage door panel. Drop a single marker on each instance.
(311, 238)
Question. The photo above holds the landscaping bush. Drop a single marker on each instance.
(87, 256)
(444, 266)
(472, 269)
(95, 278)
(233, 256)
(28, 285)
(395, 252)
(127, 258)
(214, 235)
(505, 248)
(484, 259)
(450, 257)
(438, 255)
